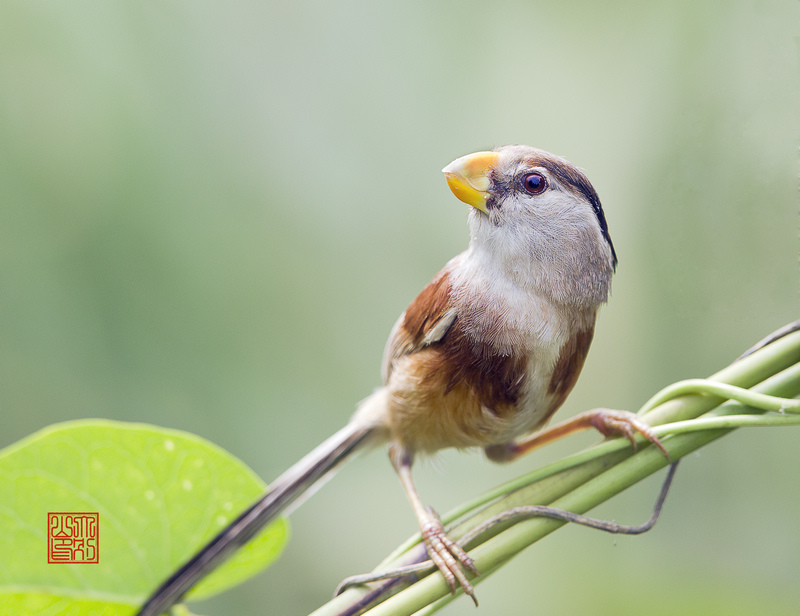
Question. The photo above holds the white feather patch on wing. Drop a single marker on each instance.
(399, 343)
(440, 328)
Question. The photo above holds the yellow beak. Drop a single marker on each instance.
(468, 178)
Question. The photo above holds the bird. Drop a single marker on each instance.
(481, 358)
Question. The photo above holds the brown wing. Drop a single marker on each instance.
(426, 320)
(431, 321)
(569, 365)
(448, 378)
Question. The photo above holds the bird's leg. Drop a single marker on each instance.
(606, 421)
(448, 556)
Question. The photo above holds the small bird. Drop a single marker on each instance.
(484, 355)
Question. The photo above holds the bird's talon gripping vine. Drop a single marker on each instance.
(447, 555)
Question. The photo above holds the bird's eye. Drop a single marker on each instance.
(534, 183)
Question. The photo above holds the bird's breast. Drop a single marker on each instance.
(494, 376)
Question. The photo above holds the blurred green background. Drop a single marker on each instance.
(211, 215)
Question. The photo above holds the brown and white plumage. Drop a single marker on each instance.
(484, 355)
(492, 346)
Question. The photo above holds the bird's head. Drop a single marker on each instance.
(539, 218)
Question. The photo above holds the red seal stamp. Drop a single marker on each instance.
(73, 537)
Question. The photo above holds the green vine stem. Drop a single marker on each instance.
(687, 416)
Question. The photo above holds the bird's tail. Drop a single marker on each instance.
(284, 491)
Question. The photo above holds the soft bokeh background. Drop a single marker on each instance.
(212, 213)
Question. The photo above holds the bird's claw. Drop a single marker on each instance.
(609, 423)
(447, 555)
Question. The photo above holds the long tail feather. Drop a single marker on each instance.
(283, 492)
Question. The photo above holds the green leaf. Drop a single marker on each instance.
(43, 603)
(160, 495)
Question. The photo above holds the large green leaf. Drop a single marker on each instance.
(160, 495)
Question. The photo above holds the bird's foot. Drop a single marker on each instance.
(447, 555)
(624, 423)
